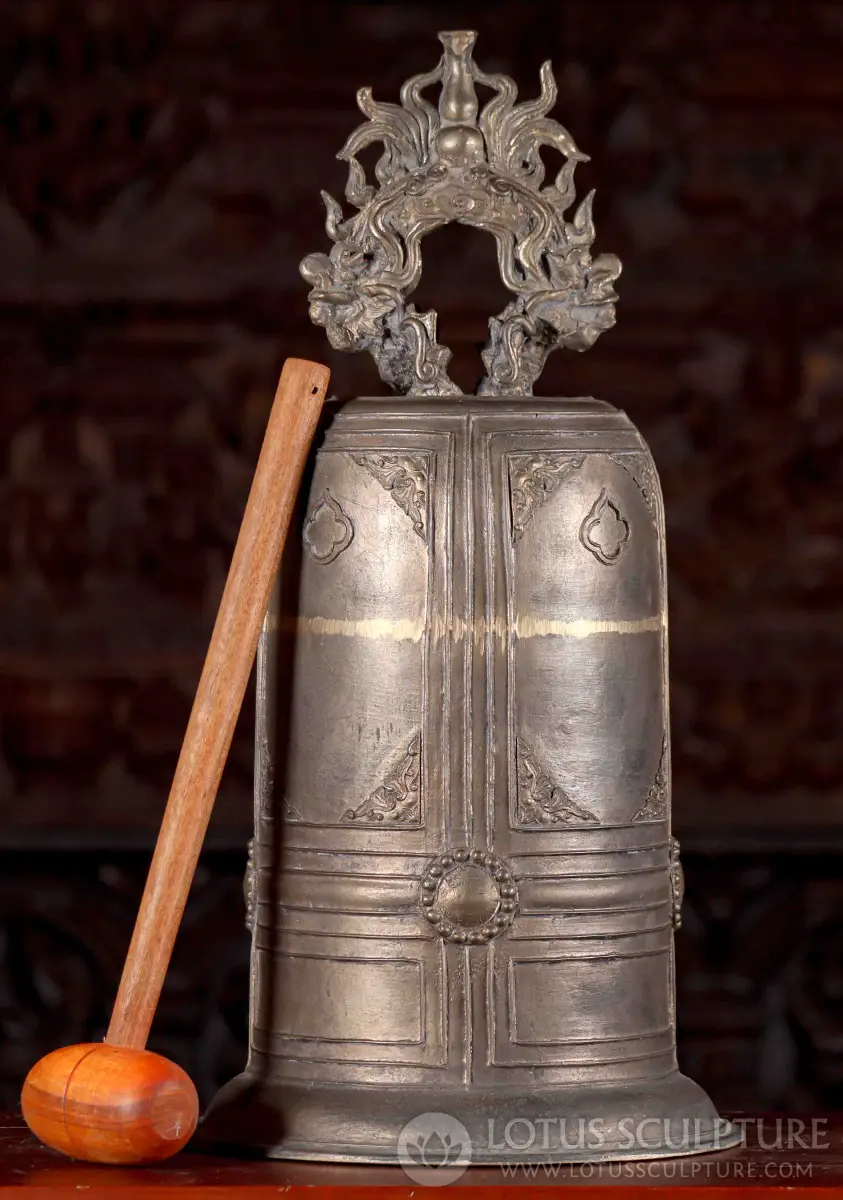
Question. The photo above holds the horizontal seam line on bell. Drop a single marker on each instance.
(606, 1041)
(414, 629)
(590, 912)
(585, 937)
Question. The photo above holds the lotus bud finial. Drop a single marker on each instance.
(460, 141)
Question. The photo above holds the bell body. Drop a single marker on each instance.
(463, 886)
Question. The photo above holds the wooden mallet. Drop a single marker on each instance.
(115, 1101)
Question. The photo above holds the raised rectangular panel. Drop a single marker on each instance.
(589, 713)
(359, 654)
(553, 1002)
(583, 606)
(349, 1000)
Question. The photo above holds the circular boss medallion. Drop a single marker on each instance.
(469, 895)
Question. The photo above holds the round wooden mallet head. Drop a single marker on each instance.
(110, 1104)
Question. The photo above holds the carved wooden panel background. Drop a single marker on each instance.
(161, 170)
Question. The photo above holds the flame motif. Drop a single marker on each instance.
(476, 167)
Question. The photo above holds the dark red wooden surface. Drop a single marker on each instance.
(795, 1167)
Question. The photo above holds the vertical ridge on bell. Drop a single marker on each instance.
(460, 142)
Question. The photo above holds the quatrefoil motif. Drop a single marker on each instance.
(328, 530)
(605, 531)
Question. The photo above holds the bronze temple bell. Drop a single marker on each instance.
(463, 886)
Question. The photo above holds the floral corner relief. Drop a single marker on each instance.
(398, 799)
(541, 801)
(479, 167)
(655, 803)
(404, 476)
(642, 471)
(533, 478)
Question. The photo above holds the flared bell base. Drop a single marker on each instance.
(665, 1117)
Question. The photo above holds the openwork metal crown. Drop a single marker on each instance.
(476, 167)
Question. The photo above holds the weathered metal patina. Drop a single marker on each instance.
(463, 887)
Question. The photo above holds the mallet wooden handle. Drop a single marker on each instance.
(114, 1101)
(225, 675)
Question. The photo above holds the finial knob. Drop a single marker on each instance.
(460, 142)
